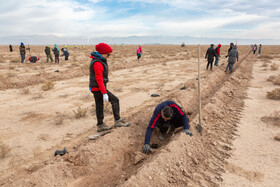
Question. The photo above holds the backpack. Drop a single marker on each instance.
(216, 50)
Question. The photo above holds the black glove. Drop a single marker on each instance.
(188, 132)
(147, 149)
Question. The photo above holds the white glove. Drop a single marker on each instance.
(105, 97)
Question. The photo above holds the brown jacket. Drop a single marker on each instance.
(22, 50)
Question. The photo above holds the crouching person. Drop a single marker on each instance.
(65, 53)
(168, 115)
(33, 59)
(97, 84)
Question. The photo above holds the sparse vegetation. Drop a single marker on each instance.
(2, 77)
(276, 81)
(274, 94)
(75, 64)
(271, 78)
(15, 60)
(38, 96)
(12, 67)
(273, 119)
(11, 74)
(274, 67)
(266, 57)
(48, 85)
(59, 118)
(25, 91)
(4, 150)
(81, 112)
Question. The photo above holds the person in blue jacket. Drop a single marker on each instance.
(65, 53)
(167, 115)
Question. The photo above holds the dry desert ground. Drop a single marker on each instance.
(43, 110)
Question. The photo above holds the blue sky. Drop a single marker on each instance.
(97, 18)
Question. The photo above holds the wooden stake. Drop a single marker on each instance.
(199, 126)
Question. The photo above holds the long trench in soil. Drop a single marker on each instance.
(107, 162)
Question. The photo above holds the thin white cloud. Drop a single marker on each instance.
(221, 18)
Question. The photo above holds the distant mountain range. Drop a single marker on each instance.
(130, 40)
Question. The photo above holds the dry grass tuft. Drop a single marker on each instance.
(12, 67)
(38, 96)
(11, 74)
(271, 78)
(75, 64)
(266, 57)
(273, 119)
(274, 94)
(25, 91)
(4, 150)
(81, 112)
(2, 77)
(59, 118)
(274, 67)
(276, 81)
(48, 85)
(15, 60)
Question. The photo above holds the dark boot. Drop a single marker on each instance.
(121, 123)
(103, 127)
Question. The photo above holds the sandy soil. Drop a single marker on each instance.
(35, 123)
(256, 160)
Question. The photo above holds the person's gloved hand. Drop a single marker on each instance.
(147, 149)
(105, 97)
(188, 132)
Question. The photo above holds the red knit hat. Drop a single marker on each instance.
(103, 48)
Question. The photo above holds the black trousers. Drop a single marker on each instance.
(99, 104)
(164, 125)
(56, 58)
(210, 62)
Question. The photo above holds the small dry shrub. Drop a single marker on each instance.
(266, 57)
(11, 74)
(38, 96)
(25, 91)
(273, 119)
(48, 85)
(4, 150)
(274, 94)
(12, 67)
(81, 112)
(2, 77)
(15, 60)
(264, 64)
(75, 64)
(276, 81)
(274, 67)
(271, 78)
(59, 118)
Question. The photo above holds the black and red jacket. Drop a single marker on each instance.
(178, 114)
(99, 71)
